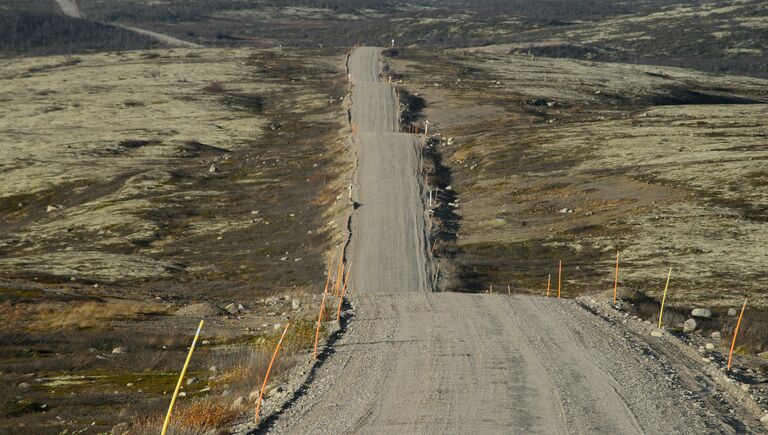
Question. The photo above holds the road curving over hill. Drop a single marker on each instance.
(415, 361)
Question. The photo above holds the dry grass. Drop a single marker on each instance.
(196, 417)
(52, 316)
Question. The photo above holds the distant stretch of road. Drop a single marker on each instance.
(388, 244)
(414, 361)
(70, 9)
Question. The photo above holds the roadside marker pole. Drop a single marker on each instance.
(616, 279)
(559, 277)
(181, 378)
(322, 307)
(509, 290)
(736, 333)
(664, 298)
(269, 369)
(549, 280)
(339, 273)
(343, 292)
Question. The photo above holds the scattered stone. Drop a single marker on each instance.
(226, 393)
(764, 420)
(277, 325)
(656, 333)
(689, 326)
(565, 210)
(717, 336)
(709, 346)
(204, 309)
(213, 369)
(240, 307)
(213, 169)
(51, 209)
(119, 350)
(120, 429)
(295, 304)
(702, 313)
(732, 312)
(232, 309)
(183, 394)
(205, 342)
(23, 385)
(192, 381)
(238, 403)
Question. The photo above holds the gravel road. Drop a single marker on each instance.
(388, 243)
(70, 9)
(416, 361)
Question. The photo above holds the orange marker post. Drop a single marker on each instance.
(559, 277)
(549, 281)
(269, 369)
(616, 279)
(339, 274)
(736, 333)
(322, 307)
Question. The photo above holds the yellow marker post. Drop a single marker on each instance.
(616, 280)
(181, 378)
(735, 333)
(664, 298)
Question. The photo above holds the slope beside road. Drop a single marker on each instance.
(414, 361)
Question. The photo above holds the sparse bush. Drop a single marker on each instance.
(213, 88)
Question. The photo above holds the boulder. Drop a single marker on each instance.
(689, 326)
(701, 313)
(295, 304)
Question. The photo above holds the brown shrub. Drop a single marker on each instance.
(46, 316)
(213, 88)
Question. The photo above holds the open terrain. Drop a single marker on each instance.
(144, 188)
(135, 184)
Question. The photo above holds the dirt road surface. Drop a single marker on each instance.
(388, 244)
(414, 361)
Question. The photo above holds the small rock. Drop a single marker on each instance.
(717, 336)
(120, 429)
(709, 346)
(277, 325)
(732, 312)
(205, 342)
(23, 385)
(213, 169)
(295, 304)
(764, 420)
(226, 393)
(119, 349)
(192, 381)
(689, 326)
(240, 307)
(183, 394)
(238, 403)
(51, 209)
(213, 369)
(232, 309)
(702, 313)
(656, 333)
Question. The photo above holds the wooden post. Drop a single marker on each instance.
(181, 378)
